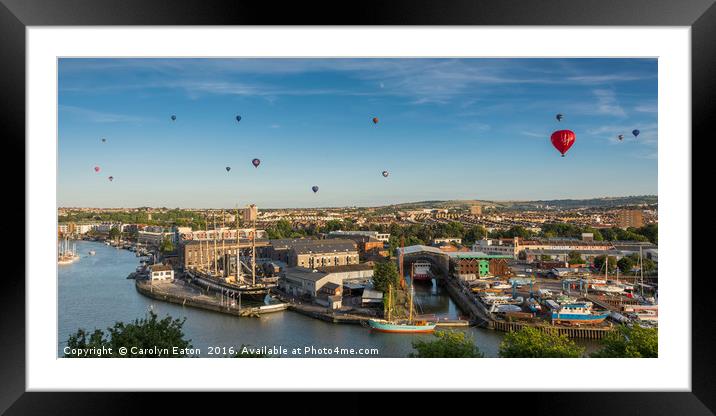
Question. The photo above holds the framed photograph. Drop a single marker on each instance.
(475, 197)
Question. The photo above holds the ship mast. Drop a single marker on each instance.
(410, 314)
(238, 249)
(223, 248)
(216, 269)
(253, 253)
(641, 270)
(206, 233)
(390, 289)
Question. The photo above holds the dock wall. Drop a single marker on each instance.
(571, 332)
(155, 293)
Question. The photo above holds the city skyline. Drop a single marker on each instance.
(449, 129)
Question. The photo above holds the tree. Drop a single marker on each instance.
(114, 233)
(449, 344)
(574, 258)
(530, 342)
(629, 342)
(474, 233)
(599, 263)
(385, 274)
(147, 337)
(626, 264)
(167, 245)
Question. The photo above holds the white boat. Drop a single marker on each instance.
(501, 285)
(492, 299)
(577, 313)
(508, 308)
(92, 252)
(607, 288)
(544, 293)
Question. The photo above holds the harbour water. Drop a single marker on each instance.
(94, 293)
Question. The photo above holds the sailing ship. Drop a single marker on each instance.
(67, 253)
(235, 286)
(401, 326)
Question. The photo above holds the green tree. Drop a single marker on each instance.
(167, 245)
(385, 273)
(629, 342)
(149, 336)
(114, 233)
(599, 263)
(626, 264)
(448, 344)
(474, 233)
(530, 342)
(574, 258)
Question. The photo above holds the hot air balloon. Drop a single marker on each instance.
(375, 120)
(635, 133)
(96, 169)
(104, 140)
(562, 140)
(111, 178)
(174, 118)
(238, 118)
(620, 137)
(385, 173)
(256, 162)
(228, 168)
(314, 188)
(559, 117)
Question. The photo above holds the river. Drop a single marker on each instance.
(94, 293)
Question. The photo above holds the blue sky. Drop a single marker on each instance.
(448, 129)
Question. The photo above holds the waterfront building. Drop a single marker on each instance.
(476, 265)
(314, 253)
(368, 246)
(152, 238)
(517, 246)
(300, 281)
(161, 272)
(220, 233)
(441, 241)
(384, 237)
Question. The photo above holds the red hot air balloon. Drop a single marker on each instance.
(96, 169)
(562, 140)
(375, 120)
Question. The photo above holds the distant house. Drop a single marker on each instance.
(161, 272)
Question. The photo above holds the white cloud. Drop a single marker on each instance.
(94, 116)
(607, 103)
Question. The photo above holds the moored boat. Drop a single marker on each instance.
(577, 313)
(382, 325)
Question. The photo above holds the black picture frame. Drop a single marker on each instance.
(16, 15)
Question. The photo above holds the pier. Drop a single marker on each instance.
(571, 332)
(182, 293)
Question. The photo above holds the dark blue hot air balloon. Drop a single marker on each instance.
(635, 133)
(385, 173)
(256, 162)
(314, 188)
(238, 118)
(559, 117)
(228, 168)
(174, 118)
